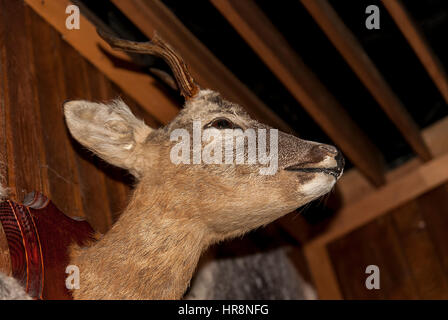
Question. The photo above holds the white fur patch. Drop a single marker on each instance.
(320, 185)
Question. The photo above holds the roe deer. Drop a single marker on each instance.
(178, 210)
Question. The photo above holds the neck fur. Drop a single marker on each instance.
(150, 253)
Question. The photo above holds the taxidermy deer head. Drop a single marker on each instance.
(195, 184)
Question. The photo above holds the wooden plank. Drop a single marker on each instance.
(141, 87)
(436, 221)
(25, 158)
(351, 254)
(355, 56)
(116, 190)
(62, 174)
(392, 195)
(91, 178)
(323, 275)
(396, 193)
(5, 260)
(353, 186)
(3, 132)
(424, 264)
(419, 44)
(273, 49)
(208, 71)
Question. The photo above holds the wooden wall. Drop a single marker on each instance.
(410, 247)
(38, 72)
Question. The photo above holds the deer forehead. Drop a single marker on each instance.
(206, 106)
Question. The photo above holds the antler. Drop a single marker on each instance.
(188, 88)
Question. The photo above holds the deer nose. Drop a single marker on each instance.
(329, 150)
(340, 161)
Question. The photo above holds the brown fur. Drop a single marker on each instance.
(177, 211)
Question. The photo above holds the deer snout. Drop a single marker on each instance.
(327, 149)
(331, 151)
(333, 160)
(321, 158)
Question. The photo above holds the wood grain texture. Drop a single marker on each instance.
(5, 260)
(351, 255)
(38, 72)
(424, 264)
(21, 103)
(117, 192)
(262, 36)
(140, 86)
(426, 177)
(409, 246)
(435, 219)
(395, 194)
(92, 179)
(60, 165)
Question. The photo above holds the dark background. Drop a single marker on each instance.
(387, 48)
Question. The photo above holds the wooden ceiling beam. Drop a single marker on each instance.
(353, 186)
(208, 71)
(362, 204)
(419, 44)
(253, 26)
(141, 87)
(396, 193)
(356, 57)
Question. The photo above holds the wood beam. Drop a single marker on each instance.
(141, 87)
(253, 26)
(207, 70)
(356, 57)
(426, 177)
(419, 44)
(353, 186)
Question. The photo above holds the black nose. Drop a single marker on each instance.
(328, 150)
(340, 160)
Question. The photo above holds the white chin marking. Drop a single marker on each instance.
(318, 186)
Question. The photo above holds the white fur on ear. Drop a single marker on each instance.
(109, 130)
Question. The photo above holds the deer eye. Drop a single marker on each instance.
(221, 123)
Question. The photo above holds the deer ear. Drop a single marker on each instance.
(109, 130)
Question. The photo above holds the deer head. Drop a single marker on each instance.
(226, 198)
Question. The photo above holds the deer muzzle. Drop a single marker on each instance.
(331, 161)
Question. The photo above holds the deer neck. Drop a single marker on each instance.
(150, 253)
